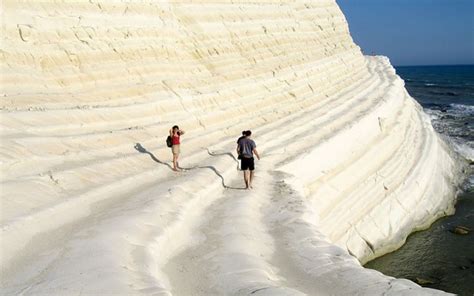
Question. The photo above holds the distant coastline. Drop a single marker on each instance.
(442, 65)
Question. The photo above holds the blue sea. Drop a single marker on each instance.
(436, 257)
(447, 94)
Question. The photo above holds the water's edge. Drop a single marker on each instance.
(437, 257)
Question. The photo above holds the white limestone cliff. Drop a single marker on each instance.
(351, 164)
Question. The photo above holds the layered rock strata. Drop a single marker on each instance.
(351, 164)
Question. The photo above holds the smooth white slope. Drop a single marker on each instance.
(188, 234)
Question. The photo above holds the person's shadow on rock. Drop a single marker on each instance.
(142, 149)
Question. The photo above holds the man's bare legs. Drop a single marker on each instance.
(247, 174)
(250, 179)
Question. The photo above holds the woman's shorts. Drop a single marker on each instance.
(247, 164)
(175, 149)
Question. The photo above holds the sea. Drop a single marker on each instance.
(436, 257)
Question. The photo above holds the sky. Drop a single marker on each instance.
(413, 32)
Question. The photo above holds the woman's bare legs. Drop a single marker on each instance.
(175, 162)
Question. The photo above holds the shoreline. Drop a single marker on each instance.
(444, 271)
(449, 258)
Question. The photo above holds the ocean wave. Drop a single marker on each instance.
(463, 148)
(470, 183)
(460, 145)
(436, 106)
(464, 109)
(454, 111)
(434, 114)
(453, 120)
(442, 86)
(444, 93)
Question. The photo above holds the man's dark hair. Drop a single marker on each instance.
(248, 133)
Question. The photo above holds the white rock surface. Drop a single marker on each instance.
(351, 165)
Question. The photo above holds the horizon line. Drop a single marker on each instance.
(433, 65)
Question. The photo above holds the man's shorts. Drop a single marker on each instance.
(247, 164)
(175, 149)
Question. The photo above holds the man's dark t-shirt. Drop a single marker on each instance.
(246, 147)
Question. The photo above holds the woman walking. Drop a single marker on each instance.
(175, 134)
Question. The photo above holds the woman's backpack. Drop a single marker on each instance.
(169, 142)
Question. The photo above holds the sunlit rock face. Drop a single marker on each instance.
(350, 163)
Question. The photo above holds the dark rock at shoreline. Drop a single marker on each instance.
(425, 281)
(461, 230)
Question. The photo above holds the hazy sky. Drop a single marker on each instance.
(413, 32)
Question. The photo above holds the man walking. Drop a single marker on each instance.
(246, 149)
